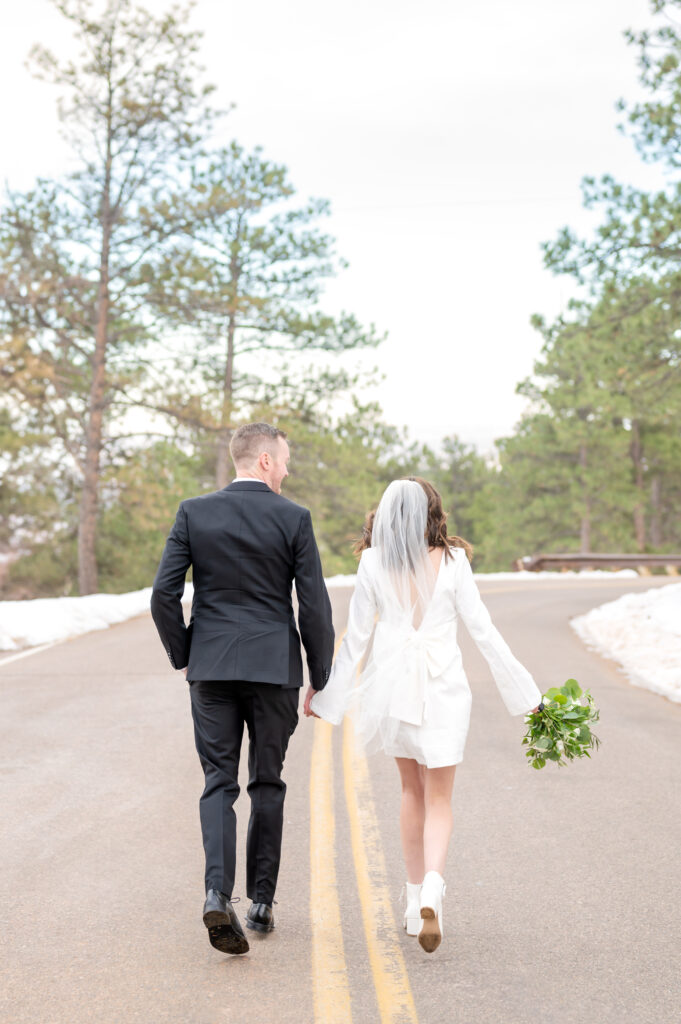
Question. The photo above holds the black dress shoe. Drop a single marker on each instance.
(260, 917)
(224, 930)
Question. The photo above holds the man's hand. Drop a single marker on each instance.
(307, 710)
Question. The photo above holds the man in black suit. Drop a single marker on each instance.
(246, 545)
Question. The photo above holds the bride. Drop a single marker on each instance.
(412, 699)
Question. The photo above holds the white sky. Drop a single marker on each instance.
(450, 138)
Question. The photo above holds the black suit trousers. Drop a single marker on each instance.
(220, 710)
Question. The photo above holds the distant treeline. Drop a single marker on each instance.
(166, 291)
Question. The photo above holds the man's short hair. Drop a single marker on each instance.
(249, 441)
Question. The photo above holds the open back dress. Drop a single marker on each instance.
(412, 698)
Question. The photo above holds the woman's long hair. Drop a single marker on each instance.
(436, 525)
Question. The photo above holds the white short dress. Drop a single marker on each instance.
(412, 698)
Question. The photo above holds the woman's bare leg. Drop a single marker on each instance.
(437, 828)
(412, 817)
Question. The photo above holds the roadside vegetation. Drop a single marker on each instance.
(166, 291)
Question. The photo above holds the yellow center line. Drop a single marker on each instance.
(391, 981)
(329, 970)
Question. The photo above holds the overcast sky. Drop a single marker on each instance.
(450, 138)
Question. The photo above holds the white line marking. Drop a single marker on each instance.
(29, 652)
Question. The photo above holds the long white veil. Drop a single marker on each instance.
(406, 573)
(392, 684)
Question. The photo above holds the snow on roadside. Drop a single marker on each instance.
(348, 580)
(643, 633)
(570, 574)
(25, 624)
(526, 577)
(49, 619)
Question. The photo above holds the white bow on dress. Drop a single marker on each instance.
(404, 658)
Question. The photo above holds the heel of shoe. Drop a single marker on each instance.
(430, 935)
(432, 893)
(215, 918)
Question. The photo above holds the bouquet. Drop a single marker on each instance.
(560, 729)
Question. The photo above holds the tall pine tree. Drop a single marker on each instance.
(75, 253)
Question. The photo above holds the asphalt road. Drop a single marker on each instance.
(562, 902)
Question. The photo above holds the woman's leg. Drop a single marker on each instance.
(437, 829)
(412, 816)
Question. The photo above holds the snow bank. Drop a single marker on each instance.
(341, 581)
(47, 620)
(526, 577)
(643, 633)
(570, 574)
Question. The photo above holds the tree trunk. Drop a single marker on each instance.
(585, 533)
(585, 524)
(87, 522)
(222, 468)
(636, 451)
(87, 525)
(656, 512)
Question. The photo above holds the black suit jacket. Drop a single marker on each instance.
(246, 545)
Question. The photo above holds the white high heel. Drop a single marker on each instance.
(412, 912)
(432, 891)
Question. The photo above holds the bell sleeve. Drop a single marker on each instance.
(331, 702)
(515, 684)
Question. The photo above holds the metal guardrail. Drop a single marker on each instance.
(642, 563)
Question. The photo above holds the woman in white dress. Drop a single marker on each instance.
(412, 699)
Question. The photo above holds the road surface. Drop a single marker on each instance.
(562, 897)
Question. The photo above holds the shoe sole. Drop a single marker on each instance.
(222, 934)
(430, 935)
(256, 926)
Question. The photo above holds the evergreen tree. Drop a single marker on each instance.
(460, 474)
(609, 381)
(75, 254)
(628, 333)
(248, 279)
(640, 233)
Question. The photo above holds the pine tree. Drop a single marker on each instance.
(248, 279)
(73, 297)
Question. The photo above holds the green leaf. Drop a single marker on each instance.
(572, 689)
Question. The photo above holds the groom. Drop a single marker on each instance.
(245, 544)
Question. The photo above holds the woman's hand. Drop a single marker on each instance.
(307, 710)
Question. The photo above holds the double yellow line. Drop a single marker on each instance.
(329, 972)
(331, 985)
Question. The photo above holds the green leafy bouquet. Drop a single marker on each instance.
(560, 729)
